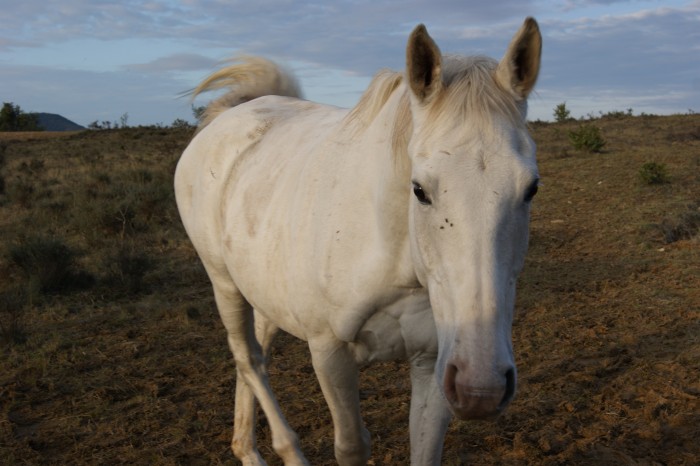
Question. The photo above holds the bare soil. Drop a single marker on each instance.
(132, 366)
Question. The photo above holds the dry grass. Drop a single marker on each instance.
(135, 369)
(31, 135)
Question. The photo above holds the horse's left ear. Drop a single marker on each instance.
(517, 72)
(423, 64)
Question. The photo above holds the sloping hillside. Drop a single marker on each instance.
(54, 122)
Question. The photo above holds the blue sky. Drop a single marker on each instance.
(99, 59)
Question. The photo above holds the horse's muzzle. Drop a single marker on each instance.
(472, 402)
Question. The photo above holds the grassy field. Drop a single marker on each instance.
(112, 351)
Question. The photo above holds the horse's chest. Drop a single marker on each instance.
(398, 331)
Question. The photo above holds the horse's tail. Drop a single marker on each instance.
(247, 78)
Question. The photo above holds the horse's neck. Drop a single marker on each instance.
(389, 159)
(391, 185)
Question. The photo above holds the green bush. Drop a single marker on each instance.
(588, 138)
(654, 173)
(13, 118)
(561, 113)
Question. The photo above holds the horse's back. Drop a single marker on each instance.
(226, 149)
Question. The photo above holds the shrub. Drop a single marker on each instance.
(125, 204)
(588, 138)
(685, 226)
(561, 113)
(198, 112)
(3, 148)
(127, 268)
(13, 304)
(617, 114)
(13, 118)
(180, 123)
(49, 266)
(21, 191)
(654, 173)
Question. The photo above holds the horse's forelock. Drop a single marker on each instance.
(471, 96)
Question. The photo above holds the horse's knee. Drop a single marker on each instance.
(243, 441)
(353, 452)
(287, 447)
(245, 451)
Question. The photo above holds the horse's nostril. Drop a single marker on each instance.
(510, 389)
(450, 383)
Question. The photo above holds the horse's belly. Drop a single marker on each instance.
(261, 255)
(294, 268)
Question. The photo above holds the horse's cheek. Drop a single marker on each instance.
(423, 254)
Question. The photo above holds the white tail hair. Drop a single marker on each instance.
(247, 78)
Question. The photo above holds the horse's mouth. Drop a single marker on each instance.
(471, 403)
(477, 406)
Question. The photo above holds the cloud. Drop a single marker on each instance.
(340, 34)
(176, 62)
(642, 58)
(619, 49)
(629, 47)
(86, 96)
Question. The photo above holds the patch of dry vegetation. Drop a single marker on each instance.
(130, 365)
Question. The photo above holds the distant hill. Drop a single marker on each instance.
(54, 122)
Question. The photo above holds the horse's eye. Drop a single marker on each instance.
(420, 194)
(532, 190)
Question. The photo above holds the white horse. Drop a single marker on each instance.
(396, 229)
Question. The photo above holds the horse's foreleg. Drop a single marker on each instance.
(337, 374)
(430, 414)
(237, 316)
(243, 443)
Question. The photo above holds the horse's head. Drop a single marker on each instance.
(474, 174)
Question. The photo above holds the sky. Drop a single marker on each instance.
(103, 60)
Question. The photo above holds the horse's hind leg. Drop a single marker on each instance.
(237, 315)
(243, 443)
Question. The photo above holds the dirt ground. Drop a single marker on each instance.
(131, 366)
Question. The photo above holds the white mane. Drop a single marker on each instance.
(470, 95)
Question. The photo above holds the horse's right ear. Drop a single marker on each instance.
(423, 64)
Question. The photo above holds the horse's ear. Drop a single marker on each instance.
(423, 64)
(517, 72)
